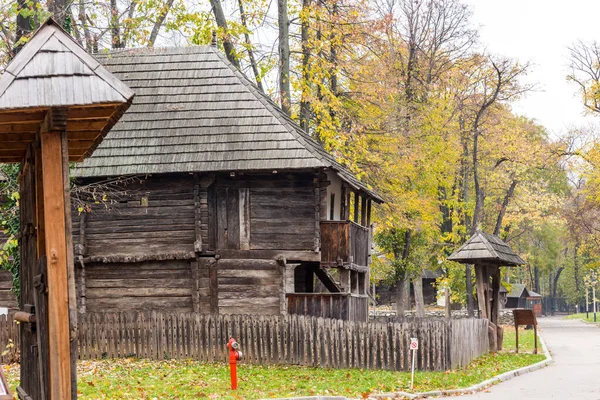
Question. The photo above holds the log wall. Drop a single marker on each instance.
(249, 286)
(153, 216)
(149, 285)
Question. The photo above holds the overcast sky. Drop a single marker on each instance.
(539, 31)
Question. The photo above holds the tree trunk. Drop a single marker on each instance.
(504, 205)
(84, 26)
(222, 23)
(58, 8)
(419, 302)
(304, 103)
(536, 283)
(115, 27)
(253, 63)
(400, 297)
(284, 56)
(160, 19)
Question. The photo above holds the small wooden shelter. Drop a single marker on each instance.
(56, 105)
(487, 253)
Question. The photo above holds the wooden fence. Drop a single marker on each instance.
(291, 339)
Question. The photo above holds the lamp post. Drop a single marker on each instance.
(594, 292)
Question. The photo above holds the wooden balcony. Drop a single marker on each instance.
(345, 243)
(346, 306)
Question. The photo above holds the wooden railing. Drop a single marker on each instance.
(344, 306)
(344, 242)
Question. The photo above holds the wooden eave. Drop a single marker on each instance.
(53, 71)
(86, 126)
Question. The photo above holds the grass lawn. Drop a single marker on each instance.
(186, 379)
(581, 316)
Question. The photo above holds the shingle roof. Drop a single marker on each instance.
(195, 112)
(52, 70)
(516, 290)
(485, 248)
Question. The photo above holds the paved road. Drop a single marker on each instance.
(574, 375)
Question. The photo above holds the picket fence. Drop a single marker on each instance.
(290, 339)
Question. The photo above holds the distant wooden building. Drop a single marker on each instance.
(521, 297)
(234, 208)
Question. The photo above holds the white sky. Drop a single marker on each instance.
(539, 31)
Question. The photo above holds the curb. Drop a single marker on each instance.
(451, 392)
(478, 387)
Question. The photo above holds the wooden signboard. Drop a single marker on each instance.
(525, 317)
(5, 393)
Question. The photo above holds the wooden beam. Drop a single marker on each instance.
(369, 202)
(356, 205)
(29, 126)
(17, 137)
(56, 250)
(91, 113)
(343, 204)
(495, 272)
(363, 211)
(481, 288)
(70, 263)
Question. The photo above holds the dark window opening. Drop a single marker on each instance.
(304, 279)
(332, 208)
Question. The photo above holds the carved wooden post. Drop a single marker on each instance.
(56, 252)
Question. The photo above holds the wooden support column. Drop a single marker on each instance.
(317, 208)
(55, 214)
(213, 286)
(344, 204)
(197, 215)
(70, 262)
(495, 273)
(363, 211)
(356, 205)
(480, 273)
(369, 212)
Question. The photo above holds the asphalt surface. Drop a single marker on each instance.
(575, 373)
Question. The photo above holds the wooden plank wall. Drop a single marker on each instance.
(468, 341)
(266, 212)
(249, 286)
(148, 285)
(7, 298)
(126, 225)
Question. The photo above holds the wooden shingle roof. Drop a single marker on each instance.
(485, 248)
(195, 112)
(52, 70)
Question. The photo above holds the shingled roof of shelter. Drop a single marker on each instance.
(516, 290)
(485, 248)
(52, 70)
(195, 112)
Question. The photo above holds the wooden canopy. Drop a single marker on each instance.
(53, 71)
(56, 105)
(483, 248)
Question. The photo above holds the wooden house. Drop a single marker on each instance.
(232, 208)
(521, 297)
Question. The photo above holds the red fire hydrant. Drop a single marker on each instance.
(234, 356)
